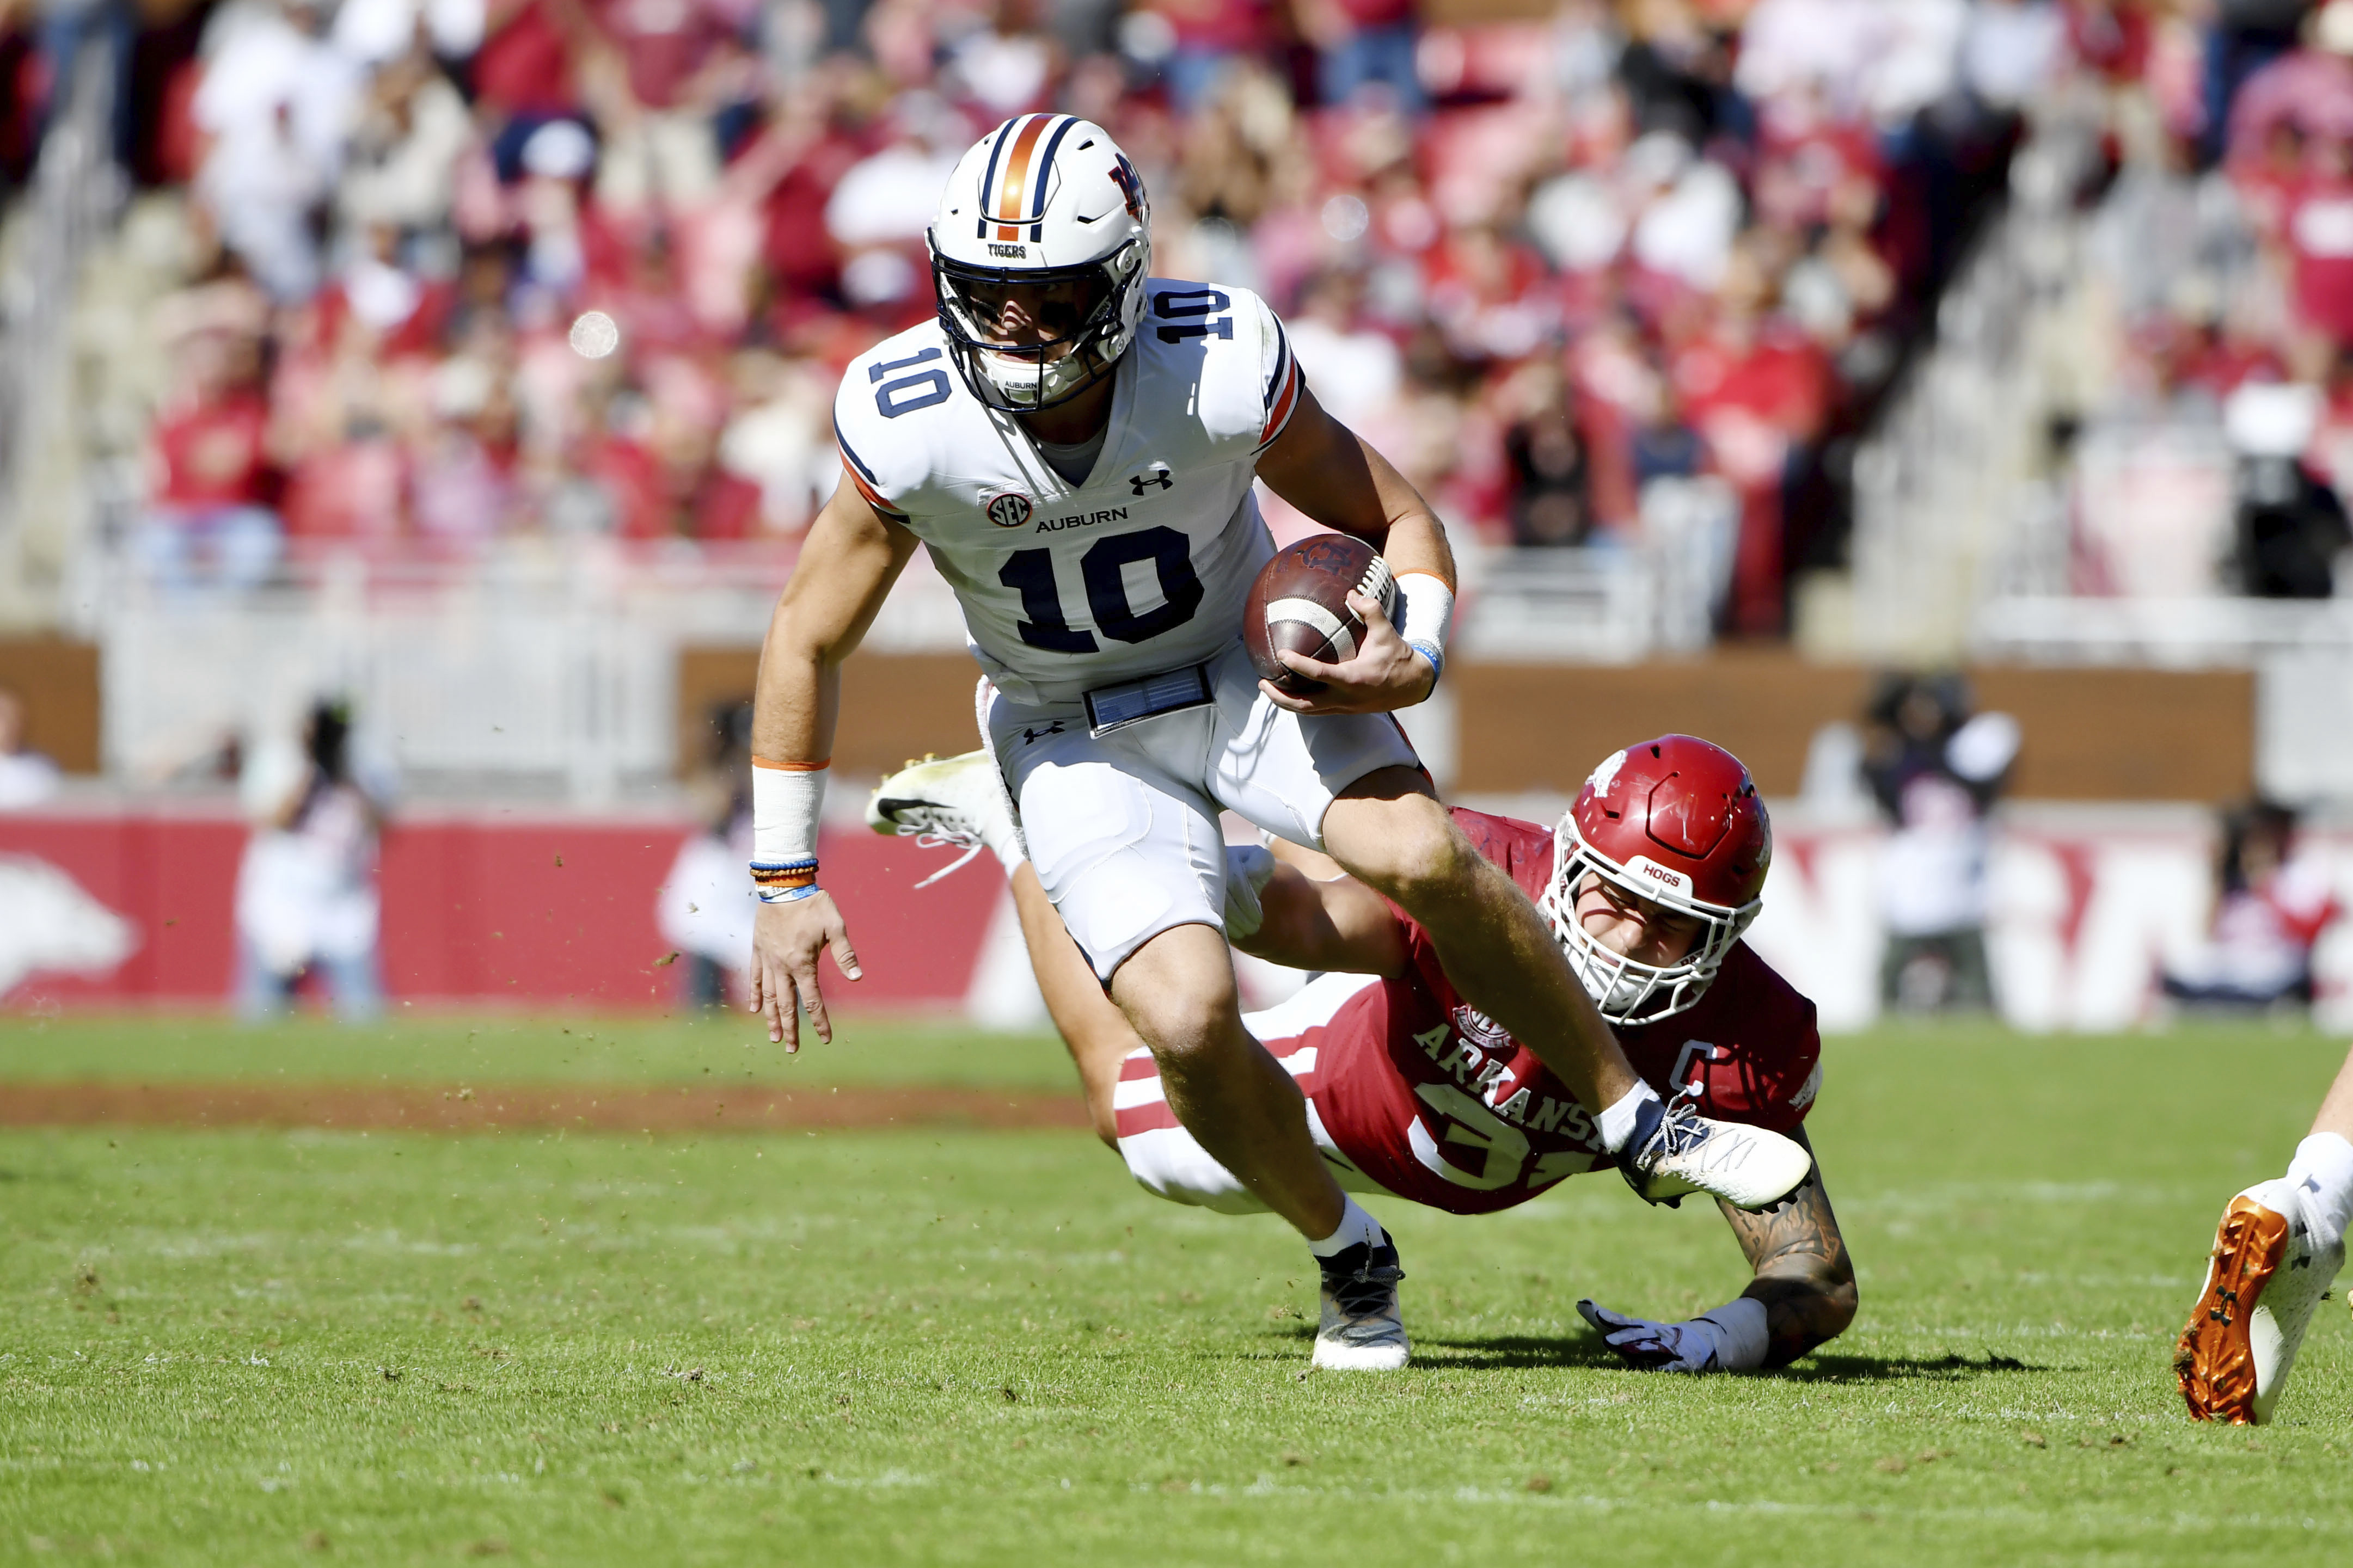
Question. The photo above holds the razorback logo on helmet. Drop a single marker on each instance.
(1010, 510)
(1606, 773)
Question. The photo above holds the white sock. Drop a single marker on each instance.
(1617, 1123)
(2322, 1175)
(1356, 1226)
(1002, 834)
(1005, 844)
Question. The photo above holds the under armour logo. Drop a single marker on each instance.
(1157, 474)
(1031, 736)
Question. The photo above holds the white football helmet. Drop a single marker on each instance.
(1042, 200)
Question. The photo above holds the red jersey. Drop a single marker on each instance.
(1434, 1103)
(214, 453)
(2320, 240)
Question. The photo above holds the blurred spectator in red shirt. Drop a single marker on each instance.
(212, 487)
(2318, 229)
(1755, 388)
(815, 137)
(656, 72)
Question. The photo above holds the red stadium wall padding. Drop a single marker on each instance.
(489, 909)
(479, 913)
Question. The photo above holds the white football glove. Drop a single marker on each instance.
(1732, 1338)
(1249, 869)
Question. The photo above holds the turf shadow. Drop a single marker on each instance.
(1519, 1352)
(1502, 1351)
(1949, 1367)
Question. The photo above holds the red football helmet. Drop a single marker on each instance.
(1677, 821)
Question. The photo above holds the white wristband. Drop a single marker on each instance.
(1425, 610)
(786, 800)
(1740, 1331)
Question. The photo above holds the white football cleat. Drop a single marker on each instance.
(2262, 1281)
(1676, 1152)
(1362, 1328)
(957, 800)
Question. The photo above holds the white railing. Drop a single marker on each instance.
(1943, 486)
(76, 187)
(520, 673)
(554, 674)
(1609, 605)
(2201, 632)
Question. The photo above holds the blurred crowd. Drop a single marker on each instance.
(466, 269)
(2215, 448)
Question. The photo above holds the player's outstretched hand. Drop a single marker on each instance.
(1694, 1346)
(785, 942)
(1384, 675)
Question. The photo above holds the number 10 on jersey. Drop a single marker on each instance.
(1103, 570)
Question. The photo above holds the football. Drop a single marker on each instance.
(1300, 602)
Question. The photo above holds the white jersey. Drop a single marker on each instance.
(1144, 567)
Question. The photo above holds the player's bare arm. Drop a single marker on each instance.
(1329, 472)
(1804, 1276)
(852, 555)
(1802, 1294)
(1335, 925)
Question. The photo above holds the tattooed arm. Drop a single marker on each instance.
(1804, 1276)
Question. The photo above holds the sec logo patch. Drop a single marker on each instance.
(1010, 510)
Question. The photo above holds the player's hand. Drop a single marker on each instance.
(1655, 1347)
(785, 942)
(1385, 675)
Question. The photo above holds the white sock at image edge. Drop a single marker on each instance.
(1356, 1226)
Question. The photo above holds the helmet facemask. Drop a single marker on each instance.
(1624, 990)
(1089, 336)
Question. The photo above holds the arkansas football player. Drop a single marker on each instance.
(1648, 882)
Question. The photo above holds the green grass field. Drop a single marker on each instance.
(244, 1347)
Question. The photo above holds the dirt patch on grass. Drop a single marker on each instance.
(607, 1108)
